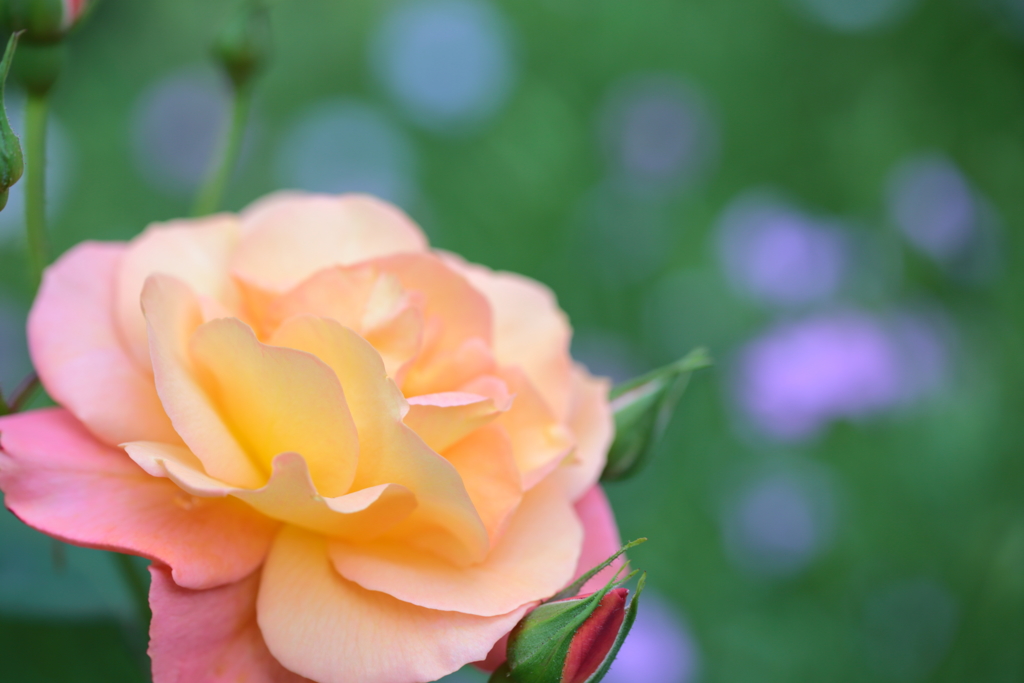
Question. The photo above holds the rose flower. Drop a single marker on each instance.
(350, 458)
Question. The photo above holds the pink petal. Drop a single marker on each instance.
(209, 636)
(60, 480)
(535, 558)
(601, 539)
(78, 352)
(332, 631)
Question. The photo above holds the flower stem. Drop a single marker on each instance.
(212, 192)
(36, 111)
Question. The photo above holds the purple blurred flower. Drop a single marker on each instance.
(933, 206)
(801, 375)
(659, 648)
(774, 253)
(779, 523)
(659, 133)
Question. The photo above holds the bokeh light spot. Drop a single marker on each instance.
(177, 125)
(659, 133)
(348, 146)
(449, 63)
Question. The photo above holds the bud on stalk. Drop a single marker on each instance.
(570, 638)
(643, 408)
(243, 46)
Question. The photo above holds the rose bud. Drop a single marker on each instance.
(572, 639)
(44, 21)
(643, 408)
(12, 164)
(243, 46)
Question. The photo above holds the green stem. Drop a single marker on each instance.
(212, 192)
(36, 110)
(136, 587)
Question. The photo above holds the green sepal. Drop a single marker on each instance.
(574, 588)
(12, 162)
(643, 408)
(539, 644)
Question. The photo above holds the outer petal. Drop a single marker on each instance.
(289, 496)
(318, 231)
(601, 537)
(194, 251)
(530, 330)
(209, 636)
(593, 425)
(277, 400)
(535, 557)
(60, 480)
(173, 314)
(79, 355)
(332, 631)
(391, 453)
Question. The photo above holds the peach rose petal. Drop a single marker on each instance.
(209, 636)
(462, 311)
(450, 370)
(289, 496)
(316, 232)
(330, 630)
(390, 452)
(194, 251)
(173, 314)
(443, 419)
(338, 293)
(485, 462)
(79, 355)
(277, 400)
(540, 442)
(530, 330)
(536, 556)
(57, 478)
(601, 538)
(591, 420)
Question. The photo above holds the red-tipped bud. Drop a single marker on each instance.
(595, 638)
(570, 638)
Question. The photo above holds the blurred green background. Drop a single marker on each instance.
(827, 193)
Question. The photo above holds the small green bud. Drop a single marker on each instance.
(12, 163)
(243, 47)
(643, 408)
